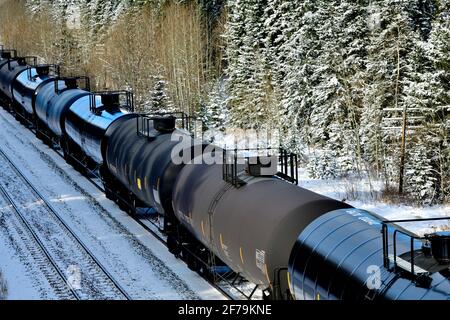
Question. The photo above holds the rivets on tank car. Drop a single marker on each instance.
(241, 253)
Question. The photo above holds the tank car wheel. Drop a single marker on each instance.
(39, 135)
(207, 273)
(172, 245)
(66, 156)
(110, 195)
(192, 261)
(122, 205)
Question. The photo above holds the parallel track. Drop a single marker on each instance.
(140, 221)
(63, 280)
(96, 264)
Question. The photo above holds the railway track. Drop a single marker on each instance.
(57, 277)
(148, 224)
(58, 243)
(152, 227)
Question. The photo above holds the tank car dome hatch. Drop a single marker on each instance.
(71, 83)
(164, 123)
(22, 61)
(262, 166)
(43, 70)
(6, 55)
(110, 100)
(440, 246)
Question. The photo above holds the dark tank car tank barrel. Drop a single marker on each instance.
(252, 228)
(273, 233)
(139, 155)
(87, 127)
(340, 256)
(53, 100)
(9, 70)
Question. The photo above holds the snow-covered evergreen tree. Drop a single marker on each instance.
(292, 46)
(250, 84)
(334, 76)
(435, 94)
(387, 64)
(420, 175)
(214, 112)
(323, 165)
(335, 98)
(159, 101)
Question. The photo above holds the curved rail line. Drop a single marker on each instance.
(39, 243)
(56, 215)
(155, 234)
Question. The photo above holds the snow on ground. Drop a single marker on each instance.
(22, 281)
(365, 194)
(140, 263)
(136, 259)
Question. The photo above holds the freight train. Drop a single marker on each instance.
(248, 217)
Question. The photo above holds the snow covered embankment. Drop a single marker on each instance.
(368, 194)
(135, 258)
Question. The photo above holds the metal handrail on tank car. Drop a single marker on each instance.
(8, 51)
(33, 59)
(287, 161)
(129, 99)
(87, 82)
(22, 61)
(56, 67)
(420, 278)
(188, 123)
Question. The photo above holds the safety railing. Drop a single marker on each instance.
(73, 83)
(259, 162)
(393, 261)
(123, 99)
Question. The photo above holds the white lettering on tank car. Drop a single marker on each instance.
(369, 221)
(261, 260)
(353, 213)
(156, 196)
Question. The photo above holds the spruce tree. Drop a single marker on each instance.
(436, 94)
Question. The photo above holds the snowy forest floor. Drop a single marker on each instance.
(139, 262)
(128, 251)
(364, 194)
